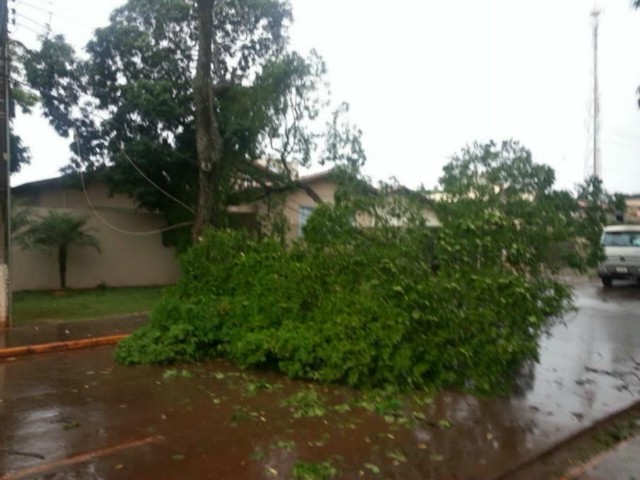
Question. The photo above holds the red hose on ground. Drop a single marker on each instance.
(60, 346)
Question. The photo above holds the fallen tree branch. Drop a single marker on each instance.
(612, 373)
(11, 451)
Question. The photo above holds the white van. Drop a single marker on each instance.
(622, 251)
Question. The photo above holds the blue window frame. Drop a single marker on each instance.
(304, 212)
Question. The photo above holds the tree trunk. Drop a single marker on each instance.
(62, 266)
(208, 140)
(311, 192)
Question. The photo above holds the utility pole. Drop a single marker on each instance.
(5, 216)
(597, 167)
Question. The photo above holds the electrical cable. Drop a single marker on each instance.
(48, 2)
(62, 17)
(127, 157)
(26, 17)
(22, 25)
(130, 160)
(167, 194)
(122, 150)
(105, 221)
(26, 4)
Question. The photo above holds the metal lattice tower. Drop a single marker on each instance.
(594, 163)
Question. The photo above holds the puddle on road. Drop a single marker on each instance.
(222, 423)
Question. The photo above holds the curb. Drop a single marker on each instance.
(547, 452)
(579, 470)
(13, 352)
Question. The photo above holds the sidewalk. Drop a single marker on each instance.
(621, 463)
(43, 333)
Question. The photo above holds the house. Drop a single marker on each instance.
(132, 252)
(295, 204)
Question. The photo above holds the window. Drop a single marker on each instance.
(621, 239)
(304, 213)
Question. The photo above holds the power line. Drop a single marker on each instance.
(48, 2)
(105, 221)
(51, 13)
(22, 25)
(124, 153)
(179, 202)
(29, 19)
(91, 207)
(133, 164)
(130, 160)
(21, 2)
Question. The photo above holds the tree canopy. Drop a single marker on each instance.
(131, 100)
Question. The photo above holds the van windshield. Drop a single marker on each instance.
(621, 239)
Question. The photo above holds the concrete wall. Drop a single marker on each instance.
(125, 260)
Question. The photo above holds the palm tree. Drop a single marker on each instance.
(57, 231)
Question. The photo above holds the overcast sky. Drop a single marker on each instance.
(426, 77)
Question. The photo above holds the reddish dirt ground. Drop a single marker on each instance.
(78, 415)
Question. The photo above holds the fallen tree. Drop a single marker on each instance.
(358, 300)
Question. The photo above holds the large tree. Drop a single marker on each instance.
(135, 101)
(208, 138)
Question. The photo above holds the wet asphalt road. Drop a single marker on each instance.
(77, 415)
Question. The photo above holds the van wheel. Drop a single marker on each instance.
(607, 281)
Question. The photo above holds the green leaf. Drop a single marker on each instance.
(372, 468)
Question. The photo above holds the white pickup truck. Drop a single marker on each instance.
(621, 245)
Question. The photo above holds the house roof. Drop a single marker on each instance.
(315, 177)
(47, 182)
(69, 179)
